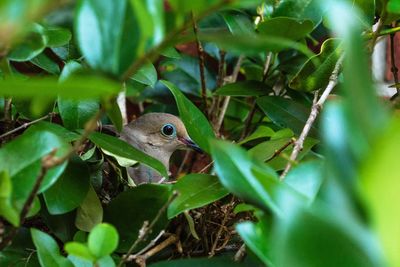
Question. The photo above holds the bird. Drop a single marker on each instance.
(158, 135)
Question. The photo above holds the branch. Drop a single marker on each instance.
(146, 229)
(225, 104)
(315, 109)
(200, 52)
(26, 125)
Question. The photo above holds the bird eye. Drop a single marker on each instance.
(168, 130)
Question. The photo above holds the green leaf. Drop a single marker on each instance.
(57, 129)
(123, 149)
(48, 250)
(75, 114)
(57, 36)
(244, 88)
(171, 52)
(339, 240)
(238, 22)
(79, 250)
(19, 252)
(103, 240)
(6, 209)
(253, 44)
(90, 212)
(48, 87)
(266, 150)
(299, 9)
(33, 44)
(195, 190)
(379, 186)
(284, 27)
(70, 189)
(306, 178)
(146, 75)
(196, 123)
(236, 171)
(286, 113)
(115, 115)
(24, 168)
(256, 237)
(46, 63)
(260, 132)
(313, 76)
(103, 31)
(139, 204)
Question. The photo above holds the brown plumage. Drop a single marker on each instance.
(158, 135)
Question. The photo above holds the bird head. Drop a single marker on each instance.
(161, 131)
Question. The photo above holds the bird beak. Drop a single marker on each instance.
(190, 144)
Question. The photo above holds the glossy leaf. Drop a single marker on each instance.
(57, 129)
(243, 88)
(123, 149)
(6, 209)
(48, 250)
(266, 150)
(139, 204)
(299, 9)
(75, 114)
(195, 190)
(57, 36)
(235, 169)
(33, 45)
(284, 27)
(102, 29)
(90, 212)
(79, 250)
(196, 123)
(146, 75)
(256, 237)
(313, 76)
(24, 168)
(115, 115)
(70, 189)
(103, 240)
(46, 63)
(286, 113)
(306, 178)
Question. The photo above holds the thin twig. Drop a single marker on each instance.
(225, 104)
(222, 226)
(200, 53)
(169, 241)
(150, 245)
(249, 119)
(206, 167)
(394, 68)
(146, 229)
(240, 253)
(267, 66)
(375, 34)
(26, 125)
(316, 107)
(280, 150)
